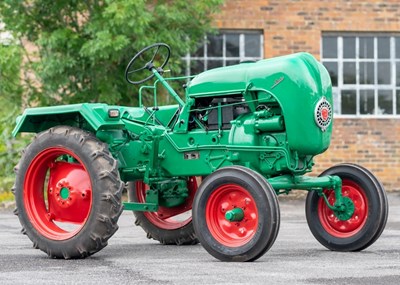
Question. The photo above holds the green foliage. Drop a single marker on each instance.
(84, 46)
(77, 50)
(10, 102)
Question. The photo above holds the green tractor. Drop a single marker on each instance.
(207, 169)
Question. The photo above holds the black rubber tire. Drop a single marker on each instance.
(106, 206)
(181, 236)
(264, 200)
(376, 219)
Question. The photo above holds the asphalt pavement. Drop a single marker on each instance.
(131, 258)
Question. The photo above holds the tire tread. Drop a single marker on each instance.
(93, 237)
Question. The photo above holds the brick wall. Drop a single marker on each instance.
(374, 144)
(296, 25)
(293, 25)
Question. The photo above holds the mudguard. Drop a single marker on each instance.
(89, 116)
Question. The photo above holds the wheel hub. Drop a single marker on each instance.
(347, 218)
(346, 210)
(69, 192)
(234, 215)
(64, 193)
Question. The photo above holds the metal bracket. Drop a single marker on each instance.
(151, 204)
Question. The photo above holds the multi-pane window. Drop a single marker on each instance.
(365, 73)
(225, 48)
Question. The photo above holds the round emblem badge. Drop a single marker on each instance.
(323, 114)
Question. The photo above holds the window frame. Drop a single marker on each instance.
(357, 87)
(223, 32)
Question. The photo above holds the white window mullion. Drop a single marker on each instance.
(205, 54)
(393, 73)
(241, 47)
(340, 72)
(375, 63)
(357, 62)
(223, 49)
(261, 46)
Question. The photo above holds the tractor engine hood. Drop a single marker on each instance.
(301, 69)
(299, 83)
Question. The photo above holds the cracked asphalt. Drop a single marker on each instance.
(131, 258)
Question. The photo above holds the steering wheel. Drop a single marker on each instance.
(145, 59)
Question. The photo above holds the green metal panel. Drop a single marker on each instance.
(88, 116)
(297, 82)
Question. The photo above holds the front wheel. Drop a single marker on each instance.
(366, 223)
(68, 193)
(236, 214)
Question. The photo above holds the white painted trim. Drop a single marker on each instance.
(357, 87)
(242, 38)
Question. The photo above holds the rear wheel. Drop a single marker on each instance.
(68, 193)
(167, 225)
(236, 214)
(368, 219)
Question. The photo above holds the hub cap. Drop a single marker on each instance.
(232, 215)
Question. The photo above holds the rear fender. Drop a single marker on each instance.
(88, 116)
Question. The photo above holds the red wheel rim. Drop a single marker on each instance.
(226, 198)
(169, 218)
(350, 227)
(57, 194)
